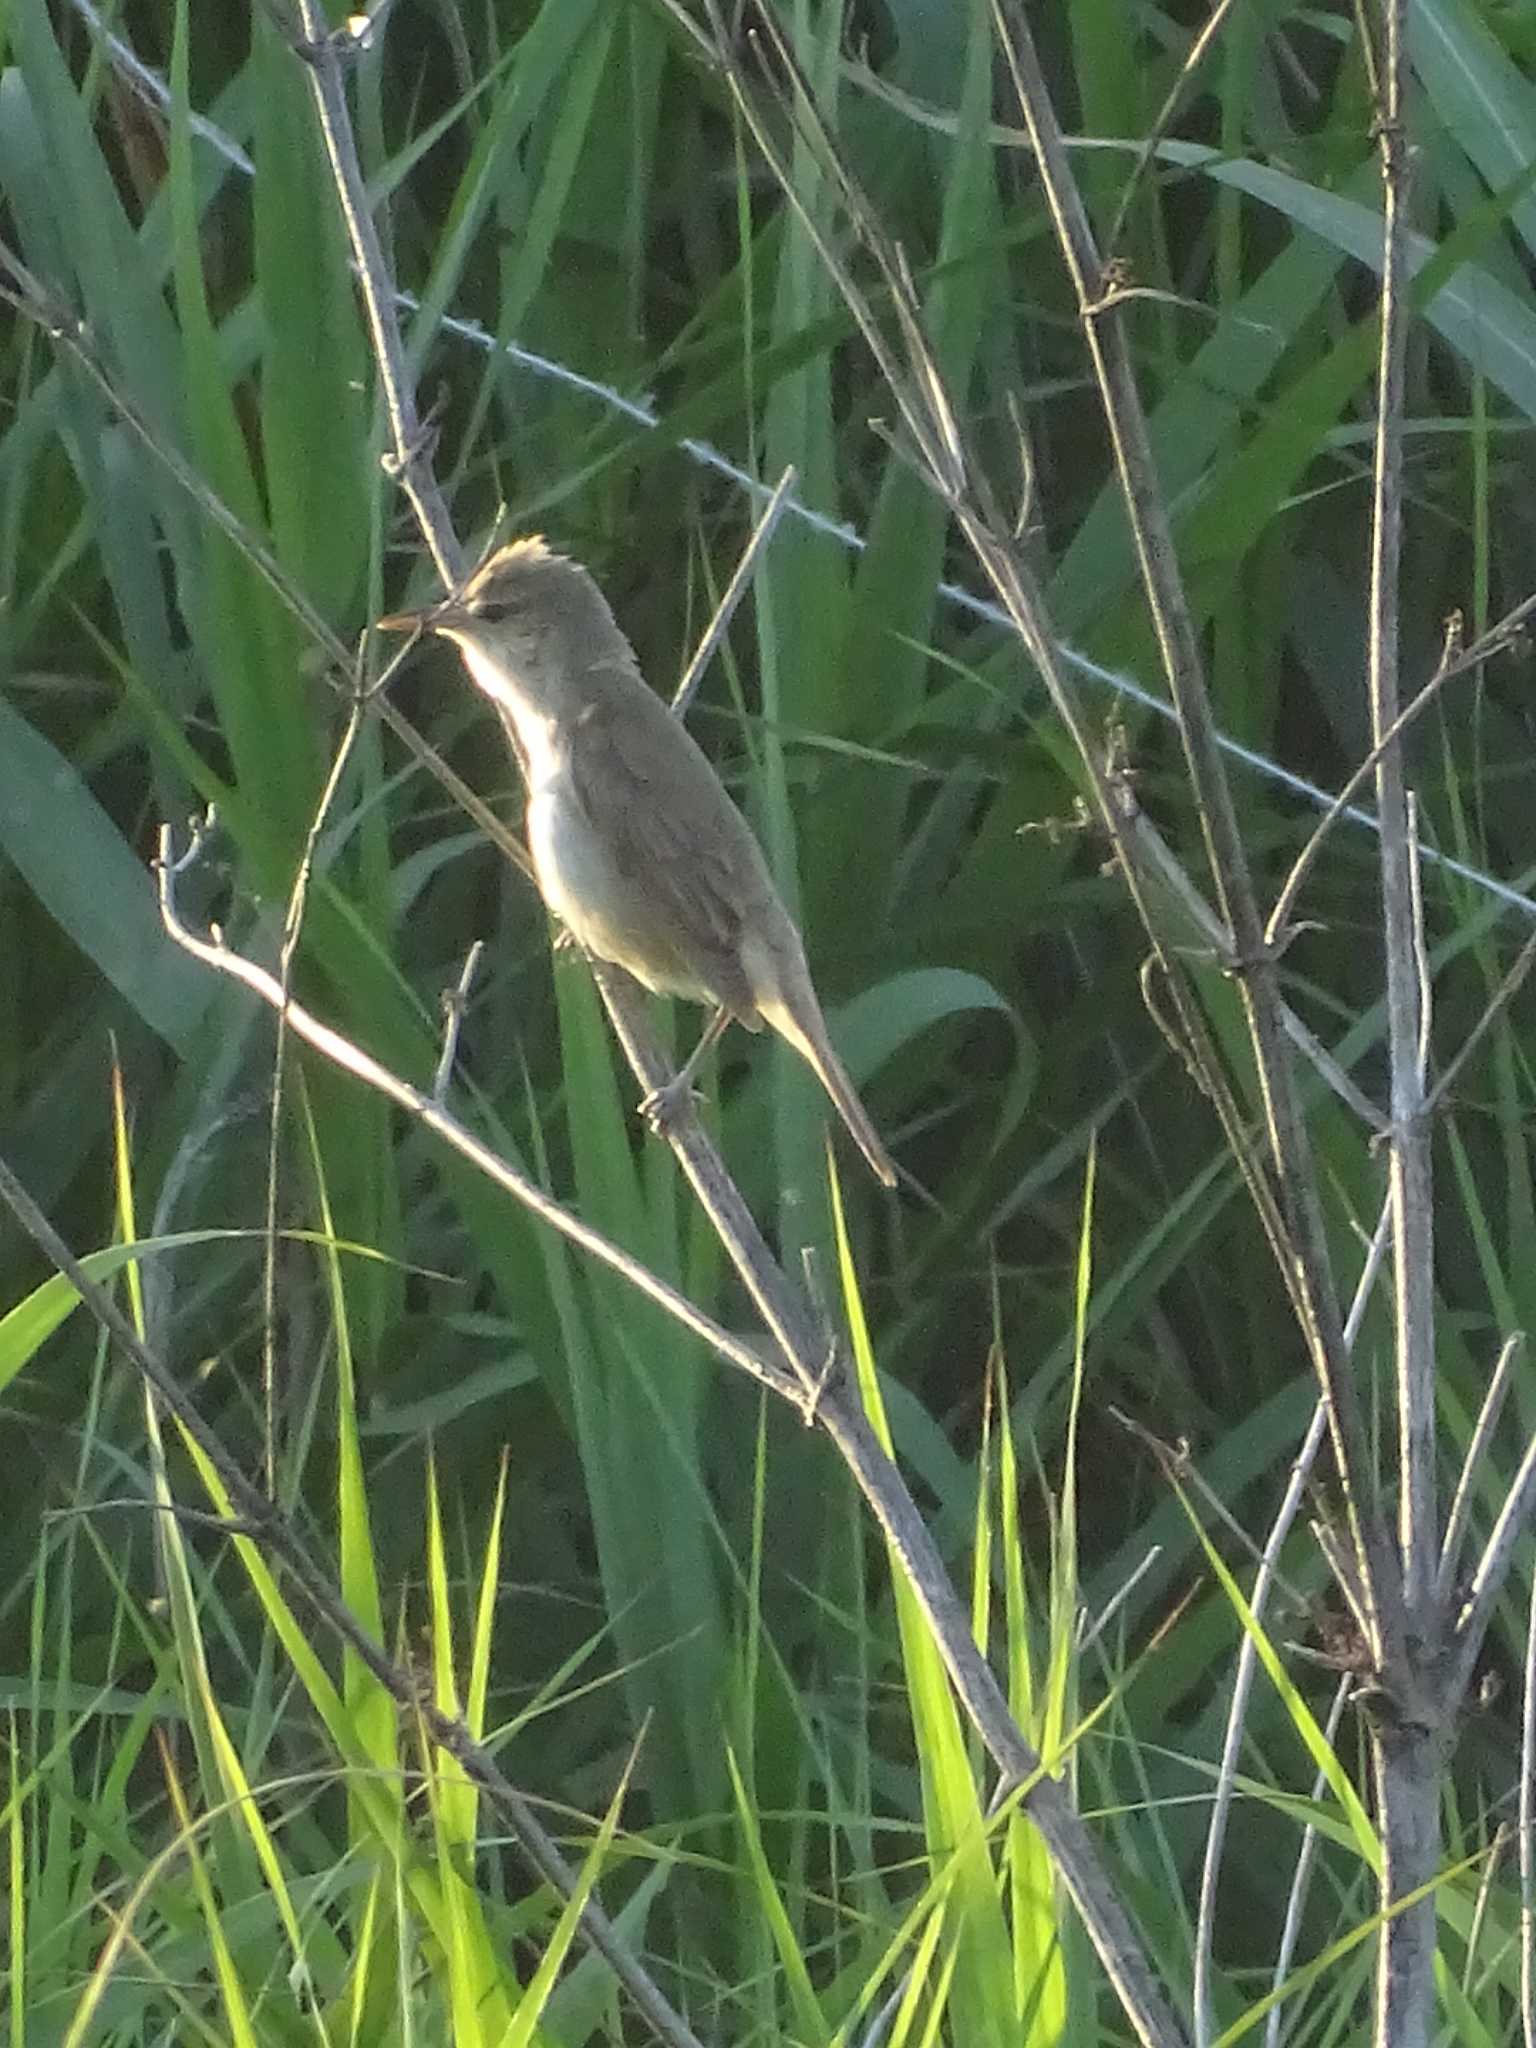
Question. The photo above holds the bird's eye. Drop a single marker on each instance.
(494, 609)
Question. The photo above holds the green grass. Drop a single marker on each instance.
(594, 1544)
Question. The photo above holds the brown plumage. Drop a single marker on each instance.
(638, 848)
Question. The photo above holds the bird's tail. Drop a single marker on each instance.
(808, 1035)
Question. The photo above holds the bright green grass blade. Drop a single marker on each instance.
(955, 1823)
(236, 2010)
(370, 1708)
(764, 1901)
(1301, 1716)
(481, 1993)
(478, 1685)
(519, 2031)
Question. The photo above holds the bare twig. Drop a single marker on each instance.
(341, 1052)
(411, 455)
(1482, 1436)
(735, 590)
(1498, 1003)
(455, 1003)
(1492, 1568)
(1301, 1877)
(1091, 1632)
(1247, 1659)
(1301, 867)
(1406, 1742)
(1163, 121)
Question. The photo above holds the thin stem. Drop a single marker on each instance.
(1482, 1436)
(1492, 1570)
(1502, 997)
(1247, 1658)
(410, 455)
(1301, 1877)
(735, 590)
(1301, 867)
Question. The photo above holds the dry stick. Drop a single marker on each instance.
(1309, 1270)
(455, 1003)
(1164, 120)
(1047, 1803)
(1247, 1658)
(1411, 1185)
(334, 1046)
(278, 1539)
(1090, 1632)
(1471, 1624)
(1485, 1884)
(411, 461)
(1405, 1744)
(735, 590)
(1290, 1931)
(1502, 997)
(1482, 1434)
(1301, 867)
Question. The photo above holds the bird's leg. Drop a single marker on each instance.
(661, 1105)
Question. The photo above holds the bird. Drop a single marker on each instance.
(637, 847)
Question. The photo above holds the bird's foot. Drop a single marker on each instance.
(663, 1105)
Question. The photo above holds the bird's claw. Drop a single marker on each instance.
(660, 1108)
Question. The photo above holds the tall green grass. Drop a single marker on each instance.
(591, 1542)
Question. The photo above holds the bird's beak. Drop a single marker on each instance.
(431, 618)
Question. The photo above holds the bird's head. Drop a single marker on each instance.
(527, 617)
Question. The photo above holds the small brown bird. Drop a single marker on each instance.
(638, 849)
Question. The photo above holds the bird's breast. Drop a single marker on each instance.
(605, 906)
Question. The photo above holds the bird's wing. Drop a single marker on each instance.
(674, 834)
